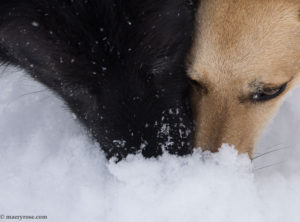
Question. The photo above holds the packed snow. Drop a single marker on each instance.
(50, 167)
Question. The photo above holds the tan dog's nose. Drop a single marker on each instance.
(219, 122)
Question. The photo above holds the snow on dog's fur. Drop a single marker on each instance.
(118, 65)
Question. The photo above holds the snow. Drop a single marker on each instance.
(49, 166)
(35, 24)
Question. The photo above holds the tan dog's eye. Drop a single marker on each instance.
(268, 93)
(198, 86)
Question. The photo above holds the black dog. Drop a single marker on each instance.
(118, 64)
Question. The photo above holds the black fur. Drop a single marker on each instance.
(118, 64)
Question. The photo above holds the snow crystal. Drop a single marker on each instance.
(35, 24)
(49, 166)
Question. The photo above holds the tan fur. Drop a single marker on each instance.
(239, 43)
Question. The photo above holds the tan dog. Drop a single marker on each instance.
(245, 58)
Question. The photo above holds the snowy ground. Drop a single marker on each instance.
(49, 166)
